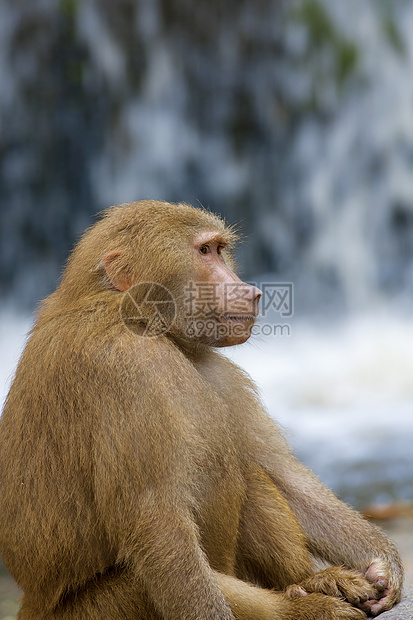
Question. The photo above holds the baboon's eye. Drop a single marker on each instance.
(204, 249)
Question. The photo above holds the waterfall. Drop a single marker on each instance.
(292, 118)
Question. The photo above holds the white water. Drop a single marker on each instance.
(343, 393)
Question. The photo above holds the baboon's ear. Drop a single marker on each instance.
(115, 270)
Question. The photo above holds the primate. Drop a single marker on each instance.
(140, 476)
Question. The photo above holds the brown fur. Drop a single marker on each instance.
(140, 478)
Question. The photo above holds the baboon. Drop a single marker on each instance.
(140, 476)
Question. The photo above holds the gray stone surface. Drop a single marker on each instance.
(403, 611)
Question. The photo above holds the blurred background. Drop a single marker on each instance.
(292, 119)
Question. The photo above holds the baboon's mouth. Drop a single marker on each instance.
(247, 318)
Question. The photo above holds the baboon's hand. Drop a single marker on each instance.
(321, 607)
(388, 585)
(341, 583)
